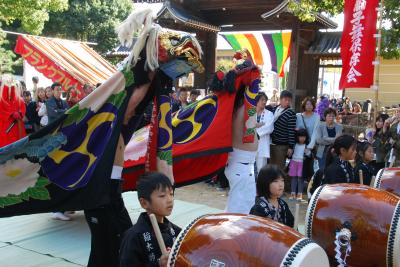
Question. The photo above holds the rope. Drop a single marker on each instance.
(342, 241)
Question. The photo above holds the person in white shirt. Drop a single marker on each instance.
(42, 111)
(265, 126)
(296, 164)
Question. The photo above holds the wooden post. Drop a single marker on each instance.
(321, 91)
(208, 42)
(294, 61)
(377, 61)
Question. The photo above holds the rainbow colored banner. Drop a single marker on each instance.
(239, 41)
(279, 48)
(275, 46)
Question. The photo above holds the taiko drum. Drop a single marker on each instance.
(388, 179)
(220, 240)
(371, 215)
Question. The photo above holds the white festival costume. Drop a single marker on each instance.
(240, 173)
(264, 132)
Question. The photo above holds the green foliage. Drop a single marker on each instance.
(31, 16)
(7, 57)
(32, 13)
(90, 20)
(391, 37)
(305, 10)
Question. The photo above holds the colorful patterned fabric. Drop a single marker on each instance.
(240, 41)
(67, 165)
(279, 50)
(250, 115)
(64, 165)
(263, 47)
(202, 131)
(159, 152)
(201, 139)
(247, 75)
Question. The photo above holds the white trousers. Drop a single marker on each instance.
(242, 186)
(261, 162)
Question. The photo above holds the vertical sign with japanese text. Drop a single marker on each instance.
(358, 44)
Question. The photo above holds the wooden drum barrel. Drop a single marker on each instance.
(224, 240)
(359, 217)
(388, 179)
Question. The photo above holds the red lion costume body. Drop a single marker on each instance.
(12, 112)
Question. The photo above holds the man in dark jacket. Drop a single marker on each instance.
(283, 136)
(55, 105)
(32, 119)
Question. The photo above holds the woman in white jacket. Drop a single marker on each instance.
(265, 126)
(42, 112)
(44, 119)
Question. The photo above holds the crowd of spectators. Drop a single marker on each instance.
(46, 104)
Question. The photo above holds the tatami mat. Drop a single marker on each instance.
(37, 240)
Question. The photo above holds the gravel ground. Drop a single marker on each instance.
(206, 194)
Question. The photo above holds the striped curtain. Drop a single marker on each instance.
(263, 47)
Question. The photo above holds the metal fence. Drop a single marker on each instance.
(356, 124)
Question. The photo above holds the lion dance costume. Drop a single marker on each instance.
(12, 111)
(202, 136)
(67, 165)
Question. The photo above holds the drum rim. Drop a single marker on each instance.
(177, 244)
(378, 180)
(393, 238)
(310, 211)
(294, 250)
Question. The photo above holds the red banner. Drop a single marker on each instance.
(358, 43)
(44, 65)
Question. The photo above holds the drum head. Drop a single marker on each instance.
(308, 254)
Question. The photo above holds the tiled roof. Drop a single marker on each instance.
(174, 11)
(326, 44)
(121, 50)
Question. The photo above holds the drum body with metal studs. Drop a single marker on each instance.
(356, 221)
(220, 240)
(388, 179)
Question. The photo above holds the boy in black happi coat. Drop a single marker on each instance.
(139, 246)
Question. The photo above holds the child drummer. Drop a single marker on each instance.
(139, 246)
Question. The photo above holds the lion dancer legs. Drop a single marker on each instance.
(107, 225)
(109, 222)
(240, 166)
(240, 173)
